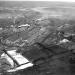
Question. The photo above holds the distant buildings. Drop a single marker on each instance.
(63, 41)
(24, 25)
(12, 25)
(1, 29)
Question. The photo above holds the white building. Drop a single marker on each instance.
(1, 29)
(21, 60)
(24, 25)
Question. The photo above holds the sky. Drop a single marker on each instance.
(42, 0)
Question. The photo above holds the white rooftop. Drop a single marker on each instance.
(64, 41)
(19, 58)
(24, 25)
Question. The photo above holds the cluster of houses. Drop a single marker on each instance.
(22, 27)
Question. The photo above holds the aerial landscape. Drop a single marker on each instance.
(37, 38)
